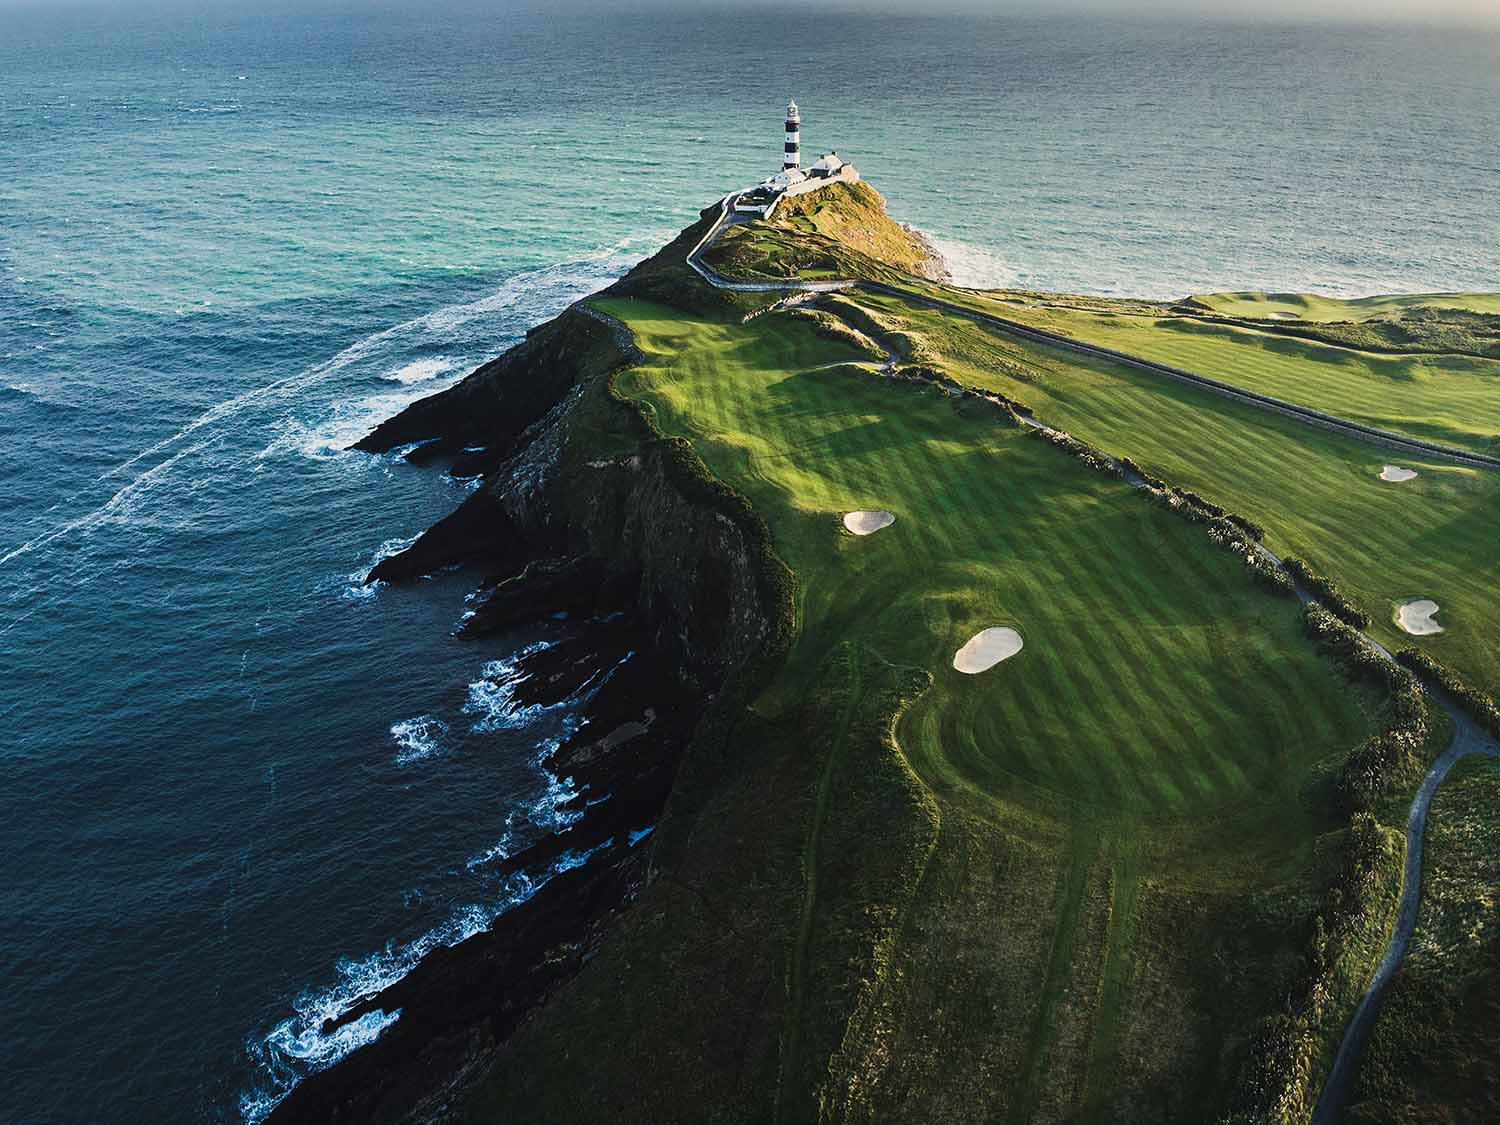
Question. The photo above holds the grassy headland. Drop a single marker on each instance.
(1110, 878)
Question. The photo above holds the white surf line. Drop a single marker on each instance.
(514, 289)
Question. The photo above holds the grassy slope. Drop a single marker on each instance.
(1153, 743)
(1317, 493)
(1432, 1054)
(854, 214)
(840, 231)
(1453, 399)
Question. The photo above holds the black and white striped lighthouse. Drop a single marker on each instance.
(791, 156)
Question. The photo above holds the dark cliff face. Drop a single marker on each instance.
(584, 510)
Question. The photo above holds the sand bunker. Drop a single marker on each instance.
(1282, 316)
(1416, 617)
(986, 649)
(1396, 473)
(867, 523)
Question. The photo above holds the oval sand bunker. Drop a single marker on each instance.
(1416, 617)
(986, 649)
(867, 523)
(1396, 473)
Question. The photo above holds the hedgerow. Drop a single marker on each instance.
(1373, 768)
(1275, 1082)
(1327, 591)
(1479, 706)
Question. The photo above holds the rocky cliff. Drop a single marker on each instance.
(583, 509)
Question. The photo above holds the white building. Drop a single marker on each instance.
(792, 180)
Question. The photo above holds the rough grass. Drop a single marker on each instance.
(1317, 493)
(1432, 1054)
(854, 214)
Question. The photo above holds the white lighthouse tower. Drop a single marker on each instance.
(791, 156)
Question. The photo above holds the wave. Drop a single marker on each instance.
(354, 588)
(975, 267)
(298, 1047)
(121, 502)
(331, 436)
(536, 289)
(492, 696)
(418, 738)
(420, 371)
(545, 813)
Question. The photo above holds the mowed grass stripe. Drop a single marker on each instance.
(1317, 493)
(1453, 399)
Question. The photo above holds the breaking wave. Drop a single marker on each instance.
(418, 738)
(975, 267)
(298, 1046)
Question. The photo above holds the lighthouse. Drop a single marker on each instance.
(791, 156)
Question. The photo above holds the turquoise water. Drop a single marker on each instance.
(238, 787)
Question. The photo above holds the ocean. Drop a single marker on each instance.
(238, 787)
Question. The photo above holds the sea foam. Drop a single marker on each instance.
(297, 1046)
(418, 738)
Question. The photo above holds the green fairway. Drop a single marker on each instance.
(1318, 493)
(1450, 399)
(1155, 678)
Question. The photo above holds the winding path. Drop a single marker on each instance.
(1468, 737)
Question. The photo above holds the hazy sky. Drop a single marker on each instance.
(1416, 11)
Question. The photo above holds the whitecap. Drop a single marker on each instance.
(492, 696)
(355, 586)
(418, 738)
(419, 371)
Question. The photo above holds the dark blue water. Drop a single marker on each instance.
(237, 788)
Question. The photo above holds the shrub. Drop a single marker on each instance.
(1328, 592)
(1374, 767)
(1476, 704)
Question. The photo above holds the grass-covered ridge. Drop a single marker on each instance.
(839, 231)
(1165, 728)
